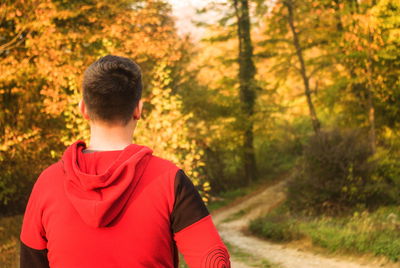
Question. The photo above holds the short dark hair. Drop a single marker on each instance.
(112, 87)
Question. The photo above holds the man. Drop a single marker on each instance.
(112, 203)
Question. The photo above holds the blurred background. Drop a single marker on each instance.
(239, 93)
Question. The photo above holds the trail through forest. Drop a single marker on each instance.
(232, 223)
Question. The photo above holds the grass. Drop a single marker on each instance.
(236, 215)
(9, 241)
(228, 197)
(247, 258)
(182, 263)
(377, 232)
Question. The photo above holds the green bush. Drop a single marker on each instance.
(275, 226)
(338, 173)
(387, 176)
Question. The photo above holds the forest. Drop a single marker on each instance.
(302, 91)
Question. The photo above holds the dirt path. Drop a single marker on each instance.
(232, 221)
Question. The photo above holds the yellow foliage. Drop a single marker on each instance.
(165, 129)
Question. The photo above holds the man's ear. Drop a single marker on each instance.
(138, 110)
(82, 108)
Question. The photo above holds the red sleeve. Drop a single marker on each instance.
(194, 231)
(201, 245)
(32, 233)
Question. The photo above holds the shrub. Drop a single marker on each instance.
(337, 174)
(276, 226)
(387, 177)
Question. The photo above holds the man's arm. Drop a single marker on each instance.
(33, 253)
(33, 258)
(194, 232)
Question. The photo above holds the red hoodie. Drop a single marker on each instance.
(123, 208)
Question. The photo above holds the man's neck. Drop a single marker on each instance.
(104, 137)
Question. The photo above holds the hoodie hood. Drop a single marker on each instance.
(100, 198)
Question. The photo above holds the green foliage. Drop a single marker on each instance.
(275, 156)
(387, 177)
(277, 226)
(336, 174)
(278, 150)
(224, 168)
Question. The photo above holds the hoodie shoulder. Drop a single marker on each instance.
(162, 165)
(163, 172)
(49, 174)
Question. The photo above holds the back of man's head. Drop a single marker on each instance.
(112, 87)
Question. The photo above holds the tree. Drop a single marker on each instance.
(295, 42)
(165, 128)
(365, 48)
(247, 87)
(303, 68)
(44, 48)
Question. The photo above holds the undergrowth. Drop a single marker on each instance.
(247, 258)
(376, 232)
(9, 241)
(225, 198)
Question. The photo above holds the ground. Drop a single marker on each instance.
(232, 223)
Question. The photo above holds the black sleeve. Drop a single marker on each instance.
(188, 206)
(33, 258)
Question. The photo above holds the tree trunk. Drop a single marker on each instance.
(247, 71)
(371, 120)
(303, 70)
(369, 93)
